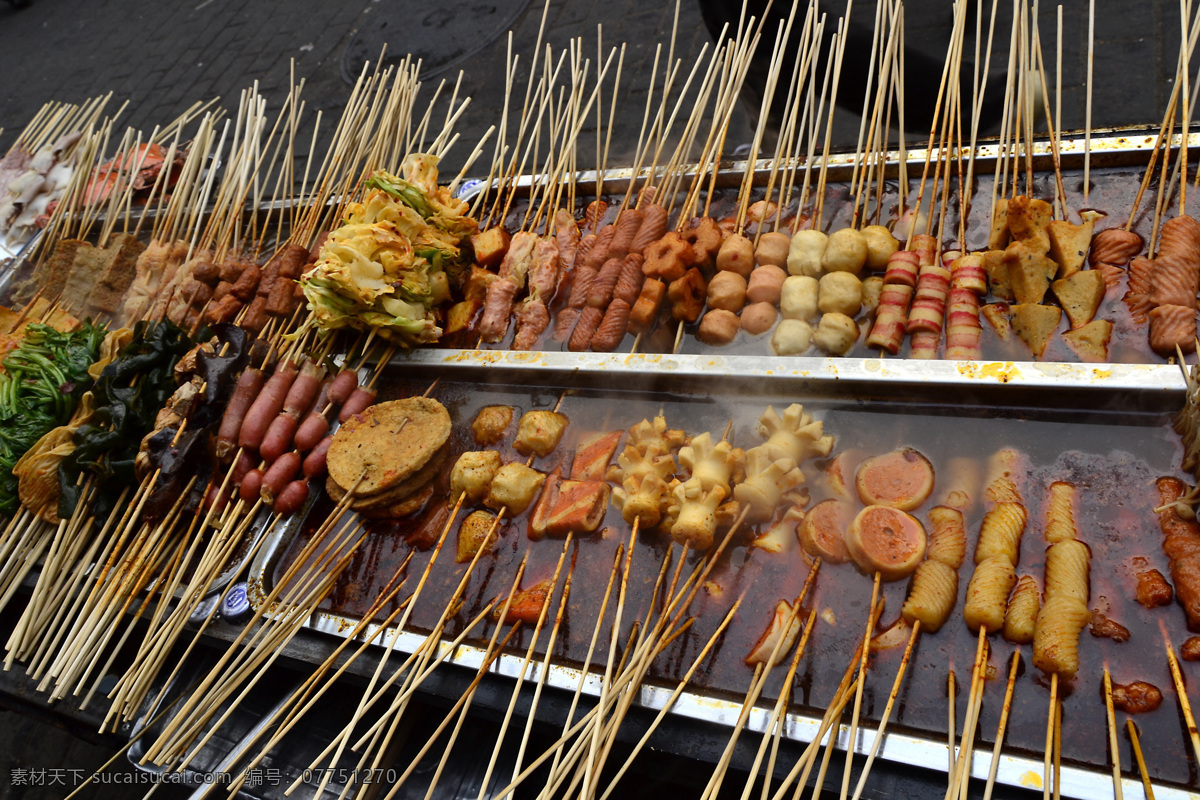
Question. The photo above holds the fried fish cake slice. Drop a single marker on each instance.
(387, 443)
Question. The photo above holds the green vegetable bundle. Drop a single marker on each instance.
(44, 378)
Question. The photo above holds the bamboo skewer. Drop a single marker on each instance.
(1000, 727)
(1112, 736)
(1131, 730)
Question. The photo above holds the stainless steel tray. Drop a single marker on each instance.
(1108, 387)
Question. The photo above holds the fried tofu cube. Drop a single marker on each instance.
(491, 423)
(460, 315)
(998, 237)
(1090, 342)
(1029, 272)
(540, 432)
(472, 474)
(688, 296)
(490, 246)
(997, 272)
(999, 316)
(514, 488)
(477, 284)
(1069, 243)
(1028, 220)
(1035, 324)
(475, 534)
(1080, 295)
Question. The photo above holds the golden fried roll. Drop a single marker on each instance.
(932, 595)
(1001, 532)
(1020, 621)
(1056, 640)
(1067, 564)
(987, 593)
(948, 542)
(1060, 518)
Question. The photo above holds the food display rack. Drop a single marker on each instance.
(1137, 388)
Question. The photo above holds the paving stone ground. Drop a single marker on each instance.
(159, 58)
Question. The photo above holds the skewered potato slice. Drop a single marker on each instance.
(475, 533)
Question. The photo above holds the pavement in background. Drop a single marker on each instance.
(161, 58)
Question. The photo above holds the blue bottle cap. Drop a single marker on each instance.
(235, 606)
(203, 609)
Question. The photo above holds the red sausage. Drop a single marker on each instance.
(249, 384)
(241, 468)
(215, 498)
(314, 462)
(311, 432)
(360, 398)
(266, 406)
(345, 383)
(278, 475)
(292, 497)
(304, 389)
(251, 485)
(279, 436)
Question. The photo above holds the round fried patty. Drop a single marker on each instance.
(387, 443)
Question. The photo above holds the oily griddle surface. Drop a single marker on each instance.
(1113, 457)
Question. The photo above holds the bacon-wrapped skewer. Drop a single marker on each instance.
(533, 316)
(497, 306)
(891, 317)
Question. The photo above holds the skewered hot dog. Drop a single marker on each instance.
(249, 385)
(267, 406)
(357, 403)
(279, 475)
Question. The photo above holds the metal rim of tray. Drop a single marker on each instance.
(1160, 387)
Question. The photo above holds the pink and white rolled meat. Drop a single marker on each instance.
(926, 248)
(963, 331)
(967, 272)
(929, 305)
(924, 345)
(891, 318)
(902, 268)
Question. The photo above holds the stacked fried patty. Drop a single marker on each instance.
(389, 455)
